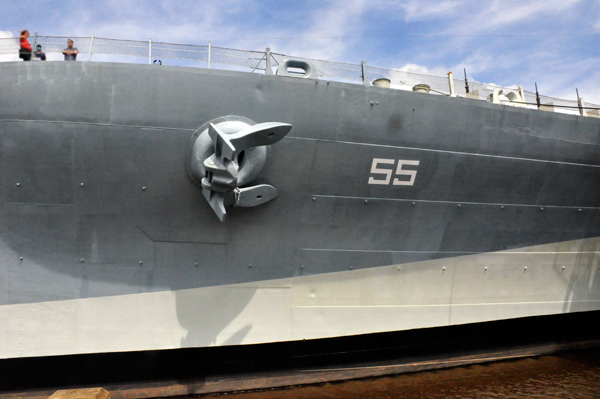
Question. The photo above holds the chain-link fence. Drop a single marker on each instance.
(260, 60)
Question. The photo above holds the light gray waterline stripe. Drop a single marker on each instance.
(452, 202)
(502, 252)
(447, 151)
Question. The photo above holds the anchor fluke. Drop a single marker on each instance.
(255, 195)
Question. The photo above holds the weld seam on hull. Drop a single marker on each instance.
(447, 151)
(38, 203)
(459, 252)
(99, 124)
(453, 202)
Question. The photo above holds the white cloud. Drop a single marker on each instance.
(474, 16)
(420, 69)
(422, 9)
(5, 34)
(326, 26)
(503, 12)
(181, 22)
(414, 68)
(477, 17)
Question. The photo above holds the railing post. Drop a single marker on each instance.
(91, 46)
(268, 70)
(580, 104)
(150, 51)
(34, 41)
(208, 55)
(451, 84)
(365, 79)
(582, 110)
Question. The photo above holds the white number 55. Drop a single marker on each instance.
(388, 172)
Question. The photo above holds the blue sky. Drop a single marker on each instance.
(552, 42)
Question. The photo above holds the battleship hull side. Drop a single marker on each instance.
(395, 211)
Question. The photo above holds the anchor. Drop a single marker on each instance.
(229, 156)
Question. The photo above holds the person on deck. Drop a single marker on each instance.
(38, 54)
(24, 46)
(70, 52)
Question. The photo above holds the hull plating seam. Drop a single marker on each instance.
(453, 252)
(454, 202)
(291, 137)
(99, 124)
(450, 152)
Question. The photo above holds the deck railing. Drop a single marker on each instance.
(260, 61)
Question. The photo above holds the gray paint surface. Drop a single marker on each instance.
(120, 128)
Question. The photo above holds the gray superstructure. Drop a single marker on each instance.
(393, 210)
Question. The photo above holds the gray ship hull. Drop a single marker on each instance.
(395, 211)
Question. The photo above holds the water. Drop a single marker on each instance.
(565, 376)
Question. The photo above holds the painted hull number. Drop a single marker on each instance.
(384, 168)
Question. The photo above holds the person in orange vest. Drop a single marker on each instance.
(24, 46)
